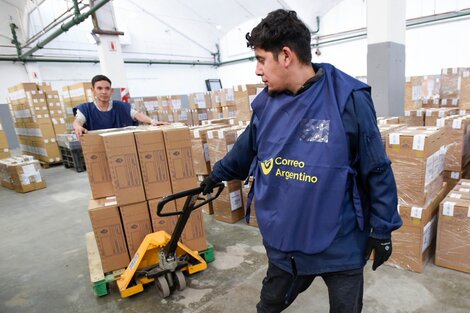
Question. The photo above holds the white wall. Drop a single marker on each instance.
(144, 80)
(428, 48)
(10, 74)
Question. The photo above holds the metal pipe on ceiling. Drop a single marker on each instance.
(77, 19)
(86, 60)
(410, 23)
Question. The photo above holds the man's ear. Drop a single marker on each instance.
(286, 56)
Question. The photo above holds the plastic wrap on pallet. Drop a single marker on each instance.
(413, 243)
(457, 130)
(418, 158)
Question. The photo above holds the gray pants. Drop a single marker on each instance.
(280, 288)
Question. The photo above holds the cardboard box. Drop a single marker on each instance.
(153, 162)
(418, 156)
(465, 90)
(432, 115)
(136, 223)
(22, 174)
(200, 148)
(228, 207)
(180, 161)
(244, 96)
(96, 163)
(109, 234)
(413, 243)
(3, 139)
(451, 83)
(166, 223)
(457, 133)
(194, 235)
(413, 118)
(124, 167)
(453, 230)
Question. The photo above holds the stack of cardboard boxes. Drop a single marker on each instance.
(73, 95)
(229, 206)
(453, 229)
(457, 129)
(33, 121)
(418, 160)
(21, 173)
(244, 96)
(130, 170)
(4, 146)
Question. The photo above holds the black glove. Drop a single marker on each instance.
(382, 248)
(207, 185)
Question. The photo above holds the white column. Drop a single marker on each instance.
(386, 27)
(109, 48)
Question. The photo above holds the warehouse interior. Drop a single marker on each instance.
(187, 64)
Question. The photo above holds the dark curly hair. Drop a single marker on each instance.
(282, 28)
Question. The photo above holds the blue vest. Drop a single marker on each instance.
(302, 168)
(119, 116)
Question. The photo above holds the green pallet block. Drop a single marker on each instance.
(208, 254)
(100, 288)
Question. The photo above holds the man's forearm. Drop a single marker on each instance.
(143, 118)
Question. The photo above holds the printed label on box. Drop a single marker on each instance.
(394, 138)
(455, 195)
(418, 142)
(206, 152)
(455, 175)
(235, 200)
(434, 166)
(429, 232)
(448, 208)
(416, 212)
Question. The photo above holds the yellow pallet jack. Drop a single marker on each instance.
(161, 257)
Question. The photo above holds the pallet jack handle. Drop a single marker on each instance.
(189, 206)
(190, 193)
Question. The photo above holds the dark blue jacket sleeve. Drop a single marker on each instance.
(379, 191)
(236, 164)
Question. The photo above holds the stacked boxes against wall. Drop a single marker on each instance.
(130, 170)
(179, 109)
(33, 123)
(21, 173)
(72, 96)
(451, 82)
(418, 158)
(457, 133)
(4, 146)
(202, 108)
(432, 115)
(229, 206)
(422, 92)
(413, 117)
(453, 230)
(244, 96)
(464, 102)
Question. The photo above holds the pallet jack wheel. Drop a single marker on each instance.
(180, 280)
(162, 286)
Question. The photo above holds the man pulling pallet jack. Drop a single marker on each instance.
(161, 257)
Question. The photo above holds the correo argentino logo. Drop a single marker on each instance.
(267, 166)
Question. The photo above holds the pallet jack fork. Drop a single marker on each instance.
(161, 257)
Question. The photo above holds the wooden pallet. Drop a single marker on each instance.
(47, 164)
(98, 278)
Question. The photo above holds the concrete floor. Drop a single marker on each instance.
(44, 267)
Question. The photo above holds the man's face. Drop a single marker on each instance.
(270, 70)
(102, 91)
